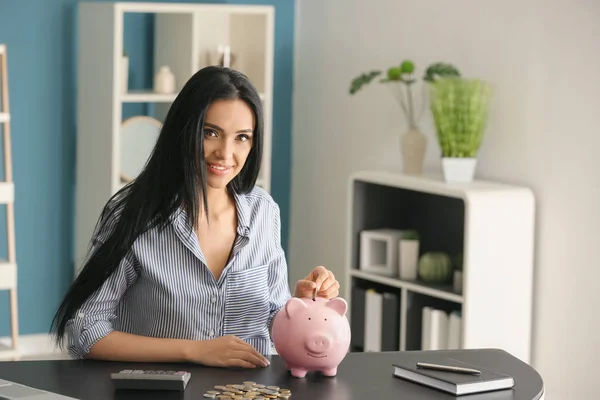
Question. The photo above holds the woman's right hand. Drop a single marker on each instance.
(226, 351)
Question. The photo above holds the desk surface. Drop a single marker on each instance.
(360, 376)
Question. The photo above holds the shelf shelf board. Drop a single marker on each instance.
(7, 192)
(149, 7)
(433, 183)
(4, 117)
(444, 292)
(148, 96)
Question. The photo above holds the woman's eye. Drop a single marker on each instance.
(244, 138)
(210, 132)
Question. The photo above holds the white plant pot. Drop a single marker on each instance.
(458, 169)
(409, 258)
(124, 74)
(458, 281)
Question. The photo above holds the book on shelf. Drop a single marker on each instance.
(375, 320)
(455, 383)
(440, 330)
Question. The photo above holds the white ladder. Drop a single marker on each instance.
(8, 268)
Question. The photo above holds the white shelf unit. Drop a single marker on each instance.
(183, 34)
(8, 266)
(491, 224)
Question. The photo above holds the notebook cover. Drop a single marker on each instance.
(453, 378)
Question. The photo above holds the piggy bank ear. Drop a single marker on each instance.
(294, 305)
(339, 305)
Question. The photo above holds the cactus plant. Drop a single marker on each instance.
(435, 267)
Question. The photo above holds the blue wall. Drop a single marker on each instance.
(41, 39)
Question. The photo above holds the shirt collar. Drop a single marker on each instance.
(243, 214)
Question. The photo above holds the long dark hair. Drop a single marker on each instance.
(173, 177)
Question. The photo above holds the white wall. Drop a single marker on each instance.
(544, 58)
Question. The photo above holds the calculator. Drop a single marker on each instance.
(144, 379)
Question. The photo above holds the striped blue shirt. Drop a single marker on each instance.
(162, 287)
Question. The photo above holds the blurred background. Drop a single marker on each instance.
(87, 82)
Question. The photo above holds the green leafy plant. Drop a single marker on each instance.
(403, 76)
(460, 107)
(410, 235)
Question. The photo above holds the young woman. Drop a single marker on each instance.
(186, 263)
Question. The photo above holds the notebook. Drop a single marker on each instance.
(452, 382)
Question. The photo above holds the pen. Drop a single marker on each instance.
(448, 368)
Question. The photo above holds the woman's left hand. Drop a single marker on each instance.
(321, 278)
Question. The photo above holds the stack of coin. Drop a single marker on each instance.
(247, 391)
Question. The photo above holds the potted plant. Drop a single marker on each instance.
(401, 79)
(409, 255)
(459, 107)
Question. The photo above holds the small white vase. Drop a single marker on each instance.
(164, 81)
(458, 169)
(458, 281)
(124, 74)
(414, 144)
(409, 258)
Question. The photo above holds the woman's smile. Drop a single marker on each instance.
(219, 169)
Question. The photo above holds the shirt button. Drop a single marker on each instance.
(211, 333)
(213, 299)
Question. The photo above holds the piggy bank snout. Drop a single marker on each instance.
(318, 343)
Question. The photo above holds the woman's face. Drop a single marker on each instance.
(228, 137)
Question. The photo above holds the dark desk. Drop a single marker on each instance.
(360, 376)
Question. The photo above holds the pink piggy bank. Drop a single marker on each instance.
(312, 335)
